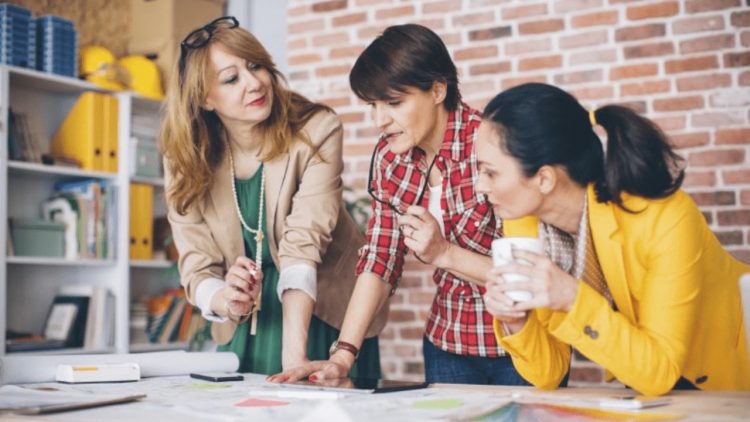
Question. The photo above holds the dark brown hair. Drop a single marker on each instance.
(404, 56)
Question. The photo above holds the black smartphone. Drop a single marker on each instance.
(217, 376)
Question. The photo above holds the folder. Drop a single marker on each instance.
(111, 134)
(89, 132)
(141, 221)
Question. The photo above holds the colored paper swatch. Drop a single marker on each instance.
(254, 402)
(438, 404)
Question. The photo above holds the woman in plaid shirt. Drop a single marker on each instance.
(422, 179)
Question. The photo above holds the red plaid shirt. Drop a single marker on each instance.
(458, 322)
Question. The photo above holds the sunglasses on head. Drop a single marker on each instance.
(201, 36)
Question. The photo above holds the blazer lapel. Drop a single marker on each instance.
(226, 210)
(277, 171)
(608, 242)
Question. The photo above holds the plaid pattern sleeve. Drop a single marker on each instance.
(458, 322)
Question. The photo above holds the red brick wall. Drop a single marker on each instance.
(686, 64)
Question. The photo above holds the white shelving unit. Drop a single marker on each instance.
(28, 285)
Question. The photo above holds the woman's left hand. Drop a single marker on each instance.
(422, 235)
(550, 286)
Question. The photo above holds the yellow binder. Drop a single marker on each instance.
(141, 221)
(111, 134)
(87, 129)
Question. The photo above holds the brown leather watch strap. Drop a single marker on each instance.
(342, 345)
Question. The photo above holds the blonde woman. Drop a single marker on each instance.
(267, 250)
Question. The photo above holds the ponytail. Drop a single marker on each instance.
(639, 160)
(543, 125)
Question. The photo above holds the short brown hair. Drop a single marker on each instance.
(404, 56)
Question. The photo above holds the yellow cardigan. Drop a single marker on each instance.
(678, 304)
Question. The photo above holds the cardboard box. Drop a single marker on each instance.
(158, 26)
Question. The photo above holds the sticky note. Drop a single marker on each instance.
(437, 404)
(253, 402)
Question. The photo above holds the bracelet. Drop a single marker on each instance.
(342, 345)
(241, 319)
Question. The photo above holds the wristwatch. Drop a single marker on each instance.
(342, 345)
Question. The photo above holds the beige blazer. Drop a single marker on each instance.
(305, 220)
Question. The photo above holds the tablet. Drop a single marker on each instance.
(358, 385)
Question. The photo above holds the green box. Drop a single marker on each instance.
(34, 237)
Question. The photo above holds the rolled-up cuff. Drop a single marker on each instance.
(204, 295)
(299, 276)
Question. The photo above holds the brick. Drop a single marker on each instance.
(717, 157)
(490, 33)
(511, 82)
(745, 200)
(733, 218)
(566, 6)
(473, 19)
(708, 43)
(373, 2)
(633, 71)
(544, 62)
(645, 87)
(698, 24)
(300, 10)
(476, 53)
(702, 178)
(641, 32)
(728, 238)
(490, 68)
(530, 46)
(300, 59)
(414, 368)
(583, 76)
(658, 10)
(401, 315)
(328, 39)
(477, 87)
(691, 64)
(593, 93)
(639, 107)
(584, 39)
(413, 333)
(394, 12)
(306, 26)
(698, 6)
(714, 198)
(595, 19)
(741, 255)
(369, 32)
(301, 75)
(592, 374)
(689, 140)
(733, 136)
(350, 19)
(357, 149)
(346, 52)
(670, 123)
(744, 79)
(711, 120)
(541, 26)
(296, 44)
(649, 50)
(328, 6)
(737, 59)
(524, 11)
(679, 103)
(703, 82)
(708, 216)
(731, 97)
(593, 56)
(336, 70)
(441, 6)
(740, 18)
(736, 177)
(336, 101)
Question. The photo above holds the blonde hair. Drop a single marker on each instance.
(190, 137)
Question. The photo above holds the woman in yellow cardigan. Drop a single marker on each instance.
(635, 280)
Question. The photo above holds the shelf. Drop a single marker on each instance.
(41, 81)
(158, 347)
(73, 351)
(151, 263)
(42, 260)
(155, 181)
(36, 168)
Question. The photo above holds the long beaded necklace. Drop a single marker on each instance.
(258, 233)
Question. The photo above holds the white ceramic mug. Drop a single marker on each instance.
(502, 254)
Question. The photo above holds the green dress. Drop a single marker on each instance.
(261, 353)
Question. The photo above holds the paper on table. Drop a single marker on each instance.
(35, 369)
(31, 401)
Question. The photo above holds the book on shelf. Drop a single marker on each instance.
(98, 326)
(170, 318)
(23, 144)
